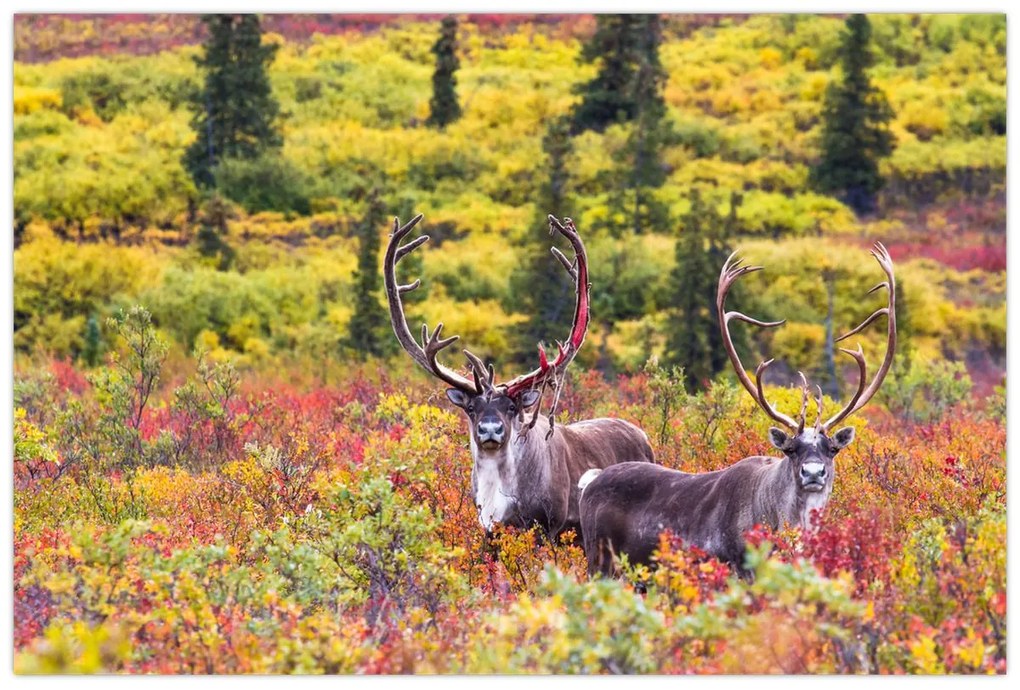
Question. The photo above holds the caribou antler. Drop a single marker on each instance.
(427, 352)
(803, 403)
(731, 271)
(863, 394)
(578, 270)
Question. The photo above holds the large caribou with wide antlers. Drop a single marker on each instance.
(525, 469)
(625, 507)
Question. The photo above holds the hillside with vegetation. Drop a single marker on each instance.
(216, 470)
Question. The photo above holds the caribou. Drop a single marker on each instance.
(626, 507)
(525, 468)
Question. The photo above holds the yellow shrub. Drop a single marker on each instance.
(28, 100)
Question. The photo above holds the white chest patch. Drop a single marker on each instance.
(494, 491)
(813, 502)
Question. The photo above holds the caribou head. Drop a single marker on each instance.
(525, 470)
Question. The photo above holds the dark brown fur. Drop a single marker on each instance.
(627, 506)
(534, 475)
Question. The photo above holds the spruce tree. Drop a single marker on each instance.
(609, 97)
(367, 331)
(235, 110)
(541, 288)
(210, 240)
(695, 341)
(650, 131)
(443, 107)
(639, 169)
(855, 119)
(904, 328)
(687, 345)
(93, 341)
(829, 378)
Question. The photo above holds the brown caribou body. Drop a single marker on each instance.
(626, 507)
(525, 469)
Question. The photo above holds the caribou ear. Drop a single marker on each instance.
(778, 438)
(843, 438)
(458, 397)
(529, 398)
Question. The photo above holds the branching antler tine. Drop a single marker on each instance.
(818, 419)
(578, 270)
(744, 317)
(479, 370)
(555, 222)
(882, 254)
(731, 271)
(803, 403)
(769, 410)
(881, 285)
(399, 231)
(433, 342)
(411, 246)
(423, 353)
(731, 259)
(865, 391)
(862, 365)
(401, 289)
(478, 381)
(566, 264)
(864, 324)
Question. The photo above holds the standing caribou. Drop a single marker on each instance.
(525, 470)
(625, 507)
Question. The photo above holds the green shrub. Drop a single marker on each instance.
(927, 390)
(267, 183)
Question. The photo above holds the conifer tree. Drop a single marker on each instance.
(904, 328)
(687, 344)
(829, 378)
(541, 288)
(854, 125)
(235, 110)
(443, 107)
(695, 341)
(210, 240)
(639, 169)
(93, 341)
(650, 131)
(609, 97)
(367, 331)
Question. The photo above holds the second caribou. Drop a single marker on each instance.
(626, 507)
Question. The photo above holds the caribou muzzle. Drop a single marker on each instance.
(812, 476)
(490, 434)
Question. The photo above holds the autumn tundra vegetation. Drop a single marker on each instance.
(226, 462)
